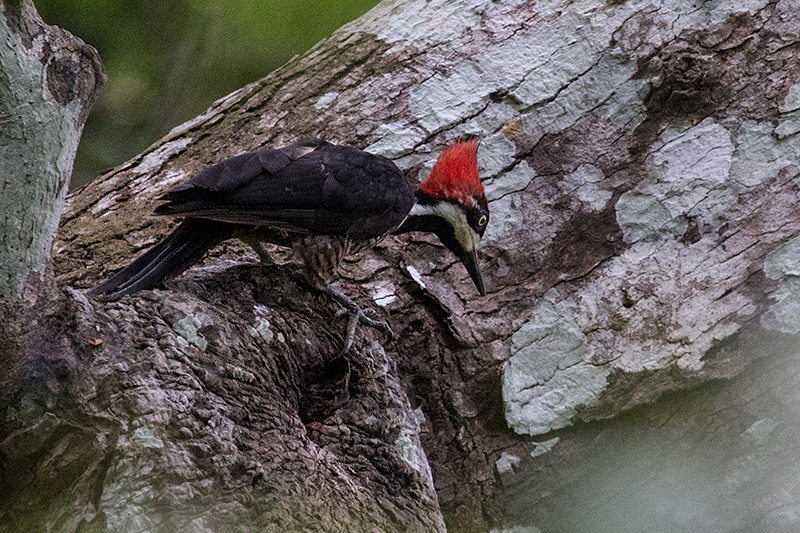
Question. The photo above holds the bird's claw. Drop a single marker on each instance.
(360, 317)
(357, 316)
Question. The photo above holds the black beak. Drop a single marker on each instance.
(470, 260)
(444, 230)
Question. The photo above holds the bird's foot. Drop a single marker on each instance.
(356, 316)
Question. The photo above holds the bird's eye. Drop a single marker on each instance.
(482, 221)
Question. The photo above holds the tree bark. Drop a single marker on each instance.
(640, 162)
(48, 82)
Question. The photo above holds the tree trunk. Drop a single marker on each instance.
(632, 368)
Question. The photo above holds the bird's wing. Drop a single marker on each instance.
(313, 187)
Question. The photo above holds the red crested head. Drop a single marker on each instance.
(455, 175)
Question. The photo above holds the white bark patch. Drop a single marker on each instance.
(783, 264)
(688, 179)
(382, 292)
(759, 156)
(542, 448)
(166, 179)
(792, 100)
(506, 463)
(420, 23)
(505, 201)
(553, 404)
(515, 180)
(487, 121)
(606, 90)
(153, 160)
(494, 154)
(395, 139)
(106, 202)
(547, 376)
(543, 64)
(270, 119)
(558, 70)
(326, 100)
(416, 276)
(584, 183)
(144, 436)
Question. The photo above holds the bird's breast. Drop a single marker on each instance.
(322, 255)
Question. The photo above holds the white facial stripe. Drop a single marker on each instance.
(467, 237)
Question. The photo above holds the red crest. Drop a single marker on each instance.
(455, 174)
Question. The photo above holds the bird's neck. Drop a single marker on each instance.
(424, 216)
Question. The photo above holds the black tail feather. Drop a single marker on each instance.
(182, 248)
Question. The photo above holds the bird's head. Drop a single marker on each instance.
(452, 204)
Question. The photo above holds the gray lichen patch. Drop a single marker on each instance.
(145, 436)
(783, 260)
(544, 447)
(326, 100)
(30, 439)
(674, 291)
(517, 529)
(153, 160)
(188, 328)
(506, 463)
(760, 155)
(783, 313)
(584, 182)
(240, 374)
(539, 409)
(789, 125)
(688, 180)
(547, 376)
(262, 326)
(505, 201)
(792, 100)
(409, 448)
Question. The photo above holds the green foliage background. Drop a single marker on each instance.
(167, 61)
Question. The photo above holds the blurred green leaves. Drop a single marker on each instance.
(168, 61)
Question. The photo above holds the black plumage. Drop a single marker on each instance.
(315, 196)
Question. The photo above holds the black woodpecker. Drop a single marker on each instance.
(322, 200)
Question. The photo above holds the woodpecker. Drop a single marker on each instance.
(452, 204)
(323, 201)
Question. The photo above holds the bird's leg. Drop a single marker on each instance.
(253, 242)
(357, 315)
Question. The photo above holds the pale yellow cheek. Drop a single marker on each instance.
(467, 237)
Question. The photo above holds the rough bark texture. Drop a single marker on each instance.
(48, 82)
(640, 162)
